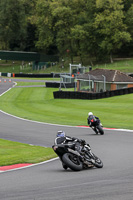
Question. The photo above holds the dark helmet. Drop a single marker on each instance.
(61, 134)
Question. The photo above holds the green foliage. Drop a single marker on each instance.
(44, 23)
(98, 28)
(129, 20)
(12, 24)
(110, 26)
(93, 28)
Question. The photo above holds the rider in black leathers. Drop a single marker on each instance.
(89, 120)
(61, 138)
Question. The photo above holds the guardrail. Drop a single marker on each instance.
(30, 75)
(59, 85)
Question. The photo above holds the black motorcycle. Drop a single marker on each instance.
(77, 160)
(96, 126)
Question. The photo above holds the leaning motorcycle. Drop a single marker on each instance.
(76, 160)
(96, 126)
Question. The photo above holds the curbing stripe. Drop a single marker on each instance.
(28, 165)
(114, 129)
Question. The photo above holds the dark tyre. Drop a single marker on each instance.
(95, 130)
(97, 162)
(100, 130)
(72, 161)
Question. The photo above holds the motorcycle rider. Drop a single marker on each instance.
(91, 118)
(61, 138)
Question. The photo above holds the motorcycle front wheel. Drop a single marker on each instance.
(97, 162)
(72, 161)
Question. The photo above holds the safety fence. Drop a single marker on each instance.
(31, 75)
(91, 96)
(34, 75)
(59, 85)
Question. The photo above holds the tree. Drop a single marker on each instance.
(63, 23)
(44, 23)
(54, 20)
(109, 25)
(12, 24)
(63, 12)
(30, 11)
(83, 27)
(129, 23)
(83, 31)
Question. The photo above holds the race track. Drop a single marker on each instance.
(49, 181)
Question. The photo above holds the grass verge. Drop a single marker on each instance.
(38, 104)
(16, 153)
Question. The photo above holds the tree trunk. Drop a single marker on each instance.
(111, 58)
(71, 59)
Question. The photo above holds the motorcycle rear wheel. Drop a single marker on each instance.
(72, 161)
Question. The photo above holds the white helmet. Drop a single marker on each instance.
(60, 134)
(90, 113)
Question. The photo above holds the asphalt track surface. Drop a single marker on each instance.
(49, 181)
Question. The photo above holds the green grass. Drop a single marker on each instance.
(30, 83)
(8, 66)
(35, 83)
(45, 79)
(38, 104)
(15, 153)
(124, 65)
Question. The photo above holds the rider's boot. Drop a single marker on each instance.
(64, 166)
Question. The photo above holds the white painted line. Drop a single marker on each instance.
(8, 89)
(127, 130)
(113, 129)
(32, 121)
(32, 165)
(36, 121)
(5, 91)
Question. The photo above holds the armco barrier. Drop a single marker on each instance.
(34, 75)
(57, 85)
(91, 96)
(50, 75)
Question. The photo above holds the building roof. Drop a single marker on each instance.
(111, 76)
